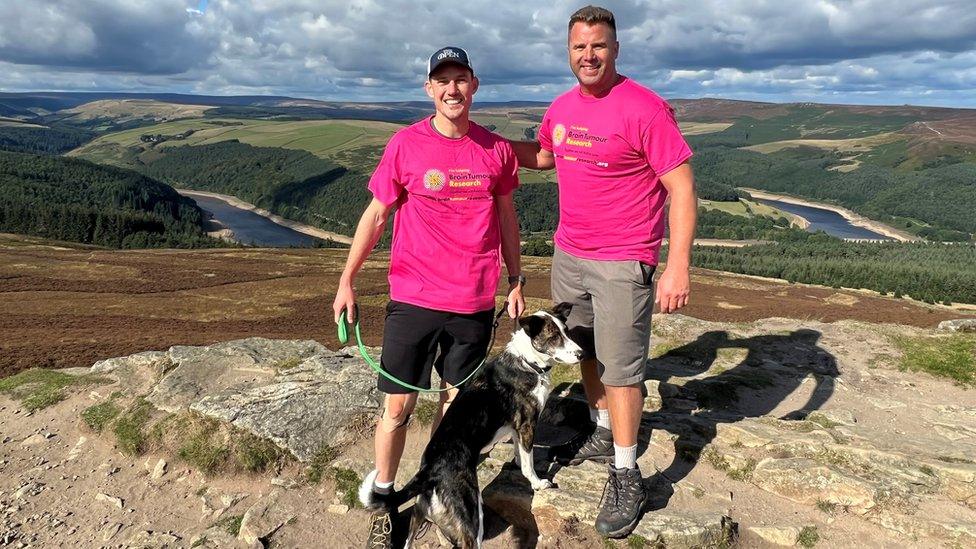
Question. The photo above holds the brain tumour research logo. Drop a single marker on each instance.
(434, 180)
(558, 134)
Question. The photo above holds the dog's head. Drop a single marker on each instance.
(542, 340)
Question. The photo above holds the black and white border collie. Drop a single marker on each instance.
(504, 400)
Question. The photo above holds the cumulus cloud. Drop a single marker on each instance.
(856, 50)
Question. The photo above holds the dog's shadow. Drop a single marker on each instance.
(773, 367)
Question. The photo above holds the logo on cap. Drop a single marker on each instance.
(449, 54)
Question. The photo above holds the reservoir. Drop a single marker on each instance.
(827, 221)
(252, 229)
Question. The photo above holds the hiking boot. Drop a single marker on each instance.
(622, 503)
(598, 447)
(380, 531)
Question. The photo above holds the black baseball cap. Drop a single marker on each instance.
(448, 54)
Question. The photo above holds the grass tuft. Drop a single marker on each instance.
(320, 463)
(808, 537)
(98, 417)
(39, 388)
(822, 420)
(952, 357)
(825, 506)
(635, 541)
(231, 524)
(288, 363)
(255, 454)
(564, 373)
(203, 448)
(130, 434)
(425, 411)
(347, 485)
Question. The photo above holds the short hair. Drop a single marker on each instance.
(591, 15)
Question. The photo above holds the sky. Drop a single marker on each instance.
(889, 52)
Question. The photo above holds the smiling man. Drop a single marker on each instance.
(619, 156)
(450, 182)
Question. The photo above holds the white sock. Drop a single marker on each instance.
(625, 457)
(383, 485)
(603, 418)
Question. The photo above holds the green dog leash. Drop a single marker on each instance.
(344, 338)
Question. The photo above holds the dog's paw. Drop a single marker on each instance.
(543, 484)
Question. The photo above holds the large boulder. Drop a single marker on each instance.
(298, 394)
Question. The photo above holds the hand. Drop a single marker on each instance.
(516, 303)
(673, 289)
(345, 299)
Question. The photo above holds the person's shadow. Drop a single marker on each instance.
(773, 367)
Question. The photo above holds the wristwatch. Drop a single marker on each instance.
(517, 278)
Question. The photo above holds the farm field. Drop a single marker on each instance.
(323, 138)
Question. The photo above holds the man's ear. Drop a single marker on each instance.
(428, 88)
(474, 84)
(561, 310)
(532, 325)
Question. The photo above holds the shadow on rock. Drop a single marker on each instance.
(707, 382)
(774, 367)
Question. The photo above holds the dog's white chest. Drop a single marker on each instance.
(541, 392)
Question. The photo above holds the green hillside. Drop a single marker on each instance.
(356, 143)
(75, 200)
(291, 183)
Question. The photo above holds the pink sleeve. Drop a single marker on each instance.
(508, 180)
(385, 183)
(664, 146)
(545, 132)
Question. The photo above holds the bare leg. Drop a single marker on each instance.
(391, 435)
(447, 397)
(626, 404)
(592, 386)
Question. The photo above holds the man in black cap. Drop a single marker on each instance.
(451, 182)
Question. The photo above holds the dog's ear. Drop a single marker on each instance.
(532, 325)
(561, 310)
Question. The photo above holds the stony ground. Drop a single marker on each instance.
(774, 432)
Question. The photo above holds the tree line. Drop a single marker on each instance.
(55, 140)
(931, 272)
(75, 200)
(941, 197)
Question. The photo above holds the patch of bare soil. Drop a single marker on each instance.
(68, 306)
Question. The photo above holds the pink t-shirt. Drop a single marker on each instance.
(446, 237)
(610, 155)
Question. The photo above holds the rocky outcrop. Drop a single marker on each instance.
(959, 325)
(817, 419)
(297, 394)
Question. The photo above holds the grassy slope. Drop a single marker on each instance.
(331, 139)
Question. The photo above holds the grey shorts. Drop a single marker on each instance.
(611, 315)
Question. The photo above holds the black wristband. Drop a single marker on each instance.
(517, 278)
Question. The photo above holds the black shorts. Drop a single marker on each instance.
(416, 338)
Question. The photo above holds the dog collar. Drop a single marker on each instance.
(537, 369)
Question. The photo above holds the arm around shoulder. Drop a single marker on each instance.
(531, 155)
